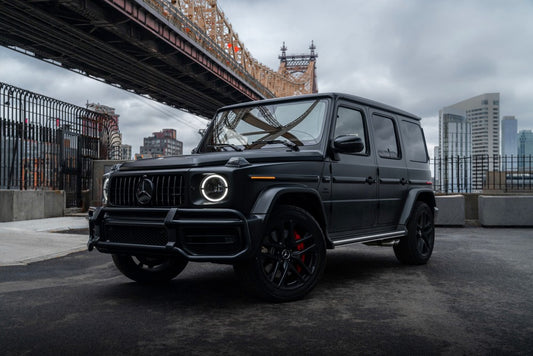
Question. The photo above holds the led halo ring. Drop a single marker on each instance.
(105, 190)
(222, 182)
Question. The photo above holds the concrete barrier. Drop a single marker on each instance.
(505, 210)
(451, 210)
(18, 205)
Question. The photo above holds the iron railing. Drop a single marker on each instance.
(47, 144)
(483, 173)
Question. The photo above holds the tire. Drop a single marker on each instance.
(149, 269)
(416, 248)
(291, 258)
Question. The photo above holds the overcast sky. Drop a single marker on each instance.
(418, 55)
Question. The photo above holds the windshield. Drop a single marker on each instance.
(289, 125)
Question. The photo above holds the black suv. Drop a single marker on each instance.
(271, 186)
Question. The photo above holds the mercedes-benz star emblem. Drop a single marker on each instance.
(144, 191)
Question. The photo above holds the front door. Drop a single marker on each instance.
(354, 177)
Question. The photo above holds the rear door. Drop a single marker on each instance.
(392, 179)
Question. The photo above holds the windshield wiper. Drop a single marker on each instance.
(225, 145)
(289, 144)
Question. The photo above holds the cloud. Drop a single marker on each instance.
(139, 117)
(417, 55)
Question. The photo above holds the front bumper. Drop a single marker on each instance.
(218, 235)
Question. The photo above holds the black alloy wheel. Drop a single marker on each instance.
(291, 257)
(149, 269)
(416, 248)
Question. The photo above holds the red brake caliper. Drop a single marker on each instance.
(299, 247)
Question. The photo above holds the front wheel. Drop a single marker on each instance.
(416, 248)
(149, 269)
(291, 258)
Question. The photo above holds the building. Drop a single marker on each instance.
(110, 133)
(482, 113)
(455, 134)
(125, 151)
(163, 143)
(509, 136)
(525, 150)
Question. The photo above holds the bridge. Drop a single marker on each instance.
(183, 53)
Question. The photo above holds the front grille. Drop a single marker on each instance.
(136, 235)
(167, 190)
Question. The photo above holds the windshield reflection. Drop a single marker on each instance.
(288, 125)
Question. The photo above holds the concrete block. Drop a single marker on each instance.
(54, 203)
(28, 205)
(6, 205)
(451, 210)
(506, 210)
(16, 205)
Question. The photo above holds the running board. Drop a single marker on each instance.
(370, 238)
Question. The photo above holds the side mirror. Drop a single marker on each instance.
(349, 144)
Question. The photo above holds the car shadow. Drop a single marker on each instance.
(212, 284)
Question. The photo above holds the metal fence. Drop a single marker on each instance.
(483, 173)
(49, 144)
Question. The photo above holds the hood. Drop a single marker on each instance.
(220, 159)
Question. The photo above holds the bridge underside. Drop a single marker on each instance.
(123, 43)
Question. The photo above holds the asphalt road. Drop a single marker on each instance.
(474, 297)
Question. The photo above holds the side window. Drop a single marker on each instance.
(415, 145)
(350, 122)
(385, 137)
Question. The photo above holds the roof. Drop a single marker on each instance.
(334, 96)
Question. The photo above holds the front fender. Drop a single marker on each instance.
(303, 197)
(268, 198)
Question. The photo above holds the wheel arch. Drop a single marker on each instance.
(418, 194)
(305, 198)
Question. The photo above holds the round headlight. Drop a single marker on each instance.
(214, 187)
(105, 190)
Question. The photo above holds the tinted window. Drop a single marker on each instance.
(385, 137)
(350, 122)
(413, 138)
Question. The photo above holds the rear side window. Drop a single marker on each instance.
(385, 137)
(414, 143)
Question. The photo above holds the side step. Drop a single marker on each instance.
(370, 238)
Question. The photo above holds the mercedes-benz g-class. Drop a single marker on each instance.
(270, 187)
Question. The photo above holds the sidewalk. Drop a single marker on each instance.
(23, 242)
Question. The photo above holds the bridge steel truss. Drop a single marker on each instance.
(183, 53)
(47, 144)
(207, 25)
(125, 43)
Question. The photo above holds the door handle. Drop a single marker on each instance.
(403, 181)
(370, 180)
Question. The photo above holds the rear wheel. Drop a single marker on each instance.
(149, 269)
(291, 257)
(416, 248)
